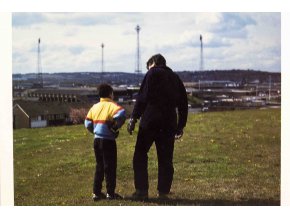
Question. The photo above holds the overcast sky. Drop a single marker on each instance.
(71, 42)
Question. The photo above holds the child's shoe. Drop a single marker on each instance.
(97, 197)
(114, 196)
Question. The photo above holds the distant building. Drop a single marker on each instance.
(63, 95)
(80, 95)
(32, 114)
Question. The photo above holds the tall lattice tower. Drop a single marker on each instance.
(102, 46)
(201, 67)
(138, 57)
(39, 67)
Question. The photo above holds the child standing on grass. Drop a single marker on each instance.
(104, 120)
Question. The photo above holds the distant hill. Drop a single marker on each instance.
(123, 78)
(238, 76)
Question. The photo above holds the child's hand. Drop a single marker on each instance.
(114, 128)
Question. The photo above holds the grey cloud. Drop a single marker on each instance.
(236, 21)
(76, 50)
(79, 19)
(84, 20)
(19, 57)
(91, 19)
(27, 19)
(269, 18)
(233, 25)
(215, 43)
(276, 51)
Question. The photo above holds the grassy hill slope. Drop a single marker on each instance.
(224, 158)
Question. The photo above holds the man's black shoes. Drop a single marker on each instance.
(139, 196)
(163, 196)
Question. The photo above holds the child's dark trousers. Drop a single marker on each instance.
(106, 165)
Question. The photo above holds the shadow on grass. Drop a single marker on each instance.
(215, 202)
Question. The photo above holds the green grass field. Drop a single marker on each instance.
(224, 158)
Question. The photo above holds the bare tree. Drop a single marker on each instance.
(77, 115)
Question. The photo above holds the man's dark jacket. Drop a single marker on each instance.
(161, 92)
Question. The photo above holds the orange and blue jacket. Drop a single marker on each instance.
(102, 116)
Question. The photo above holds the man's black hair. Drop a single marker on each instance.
(158, 59)
(105, 90)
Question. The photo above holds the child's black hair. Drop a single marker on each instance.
(105, 90)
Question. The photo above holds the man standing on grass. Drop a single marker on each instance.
(161, 92)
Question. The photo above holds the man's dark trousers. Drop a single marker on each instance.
(164, 141)
(106, 164)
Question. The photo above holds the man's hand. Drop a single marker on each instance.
(179, 134)
(131, 125)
